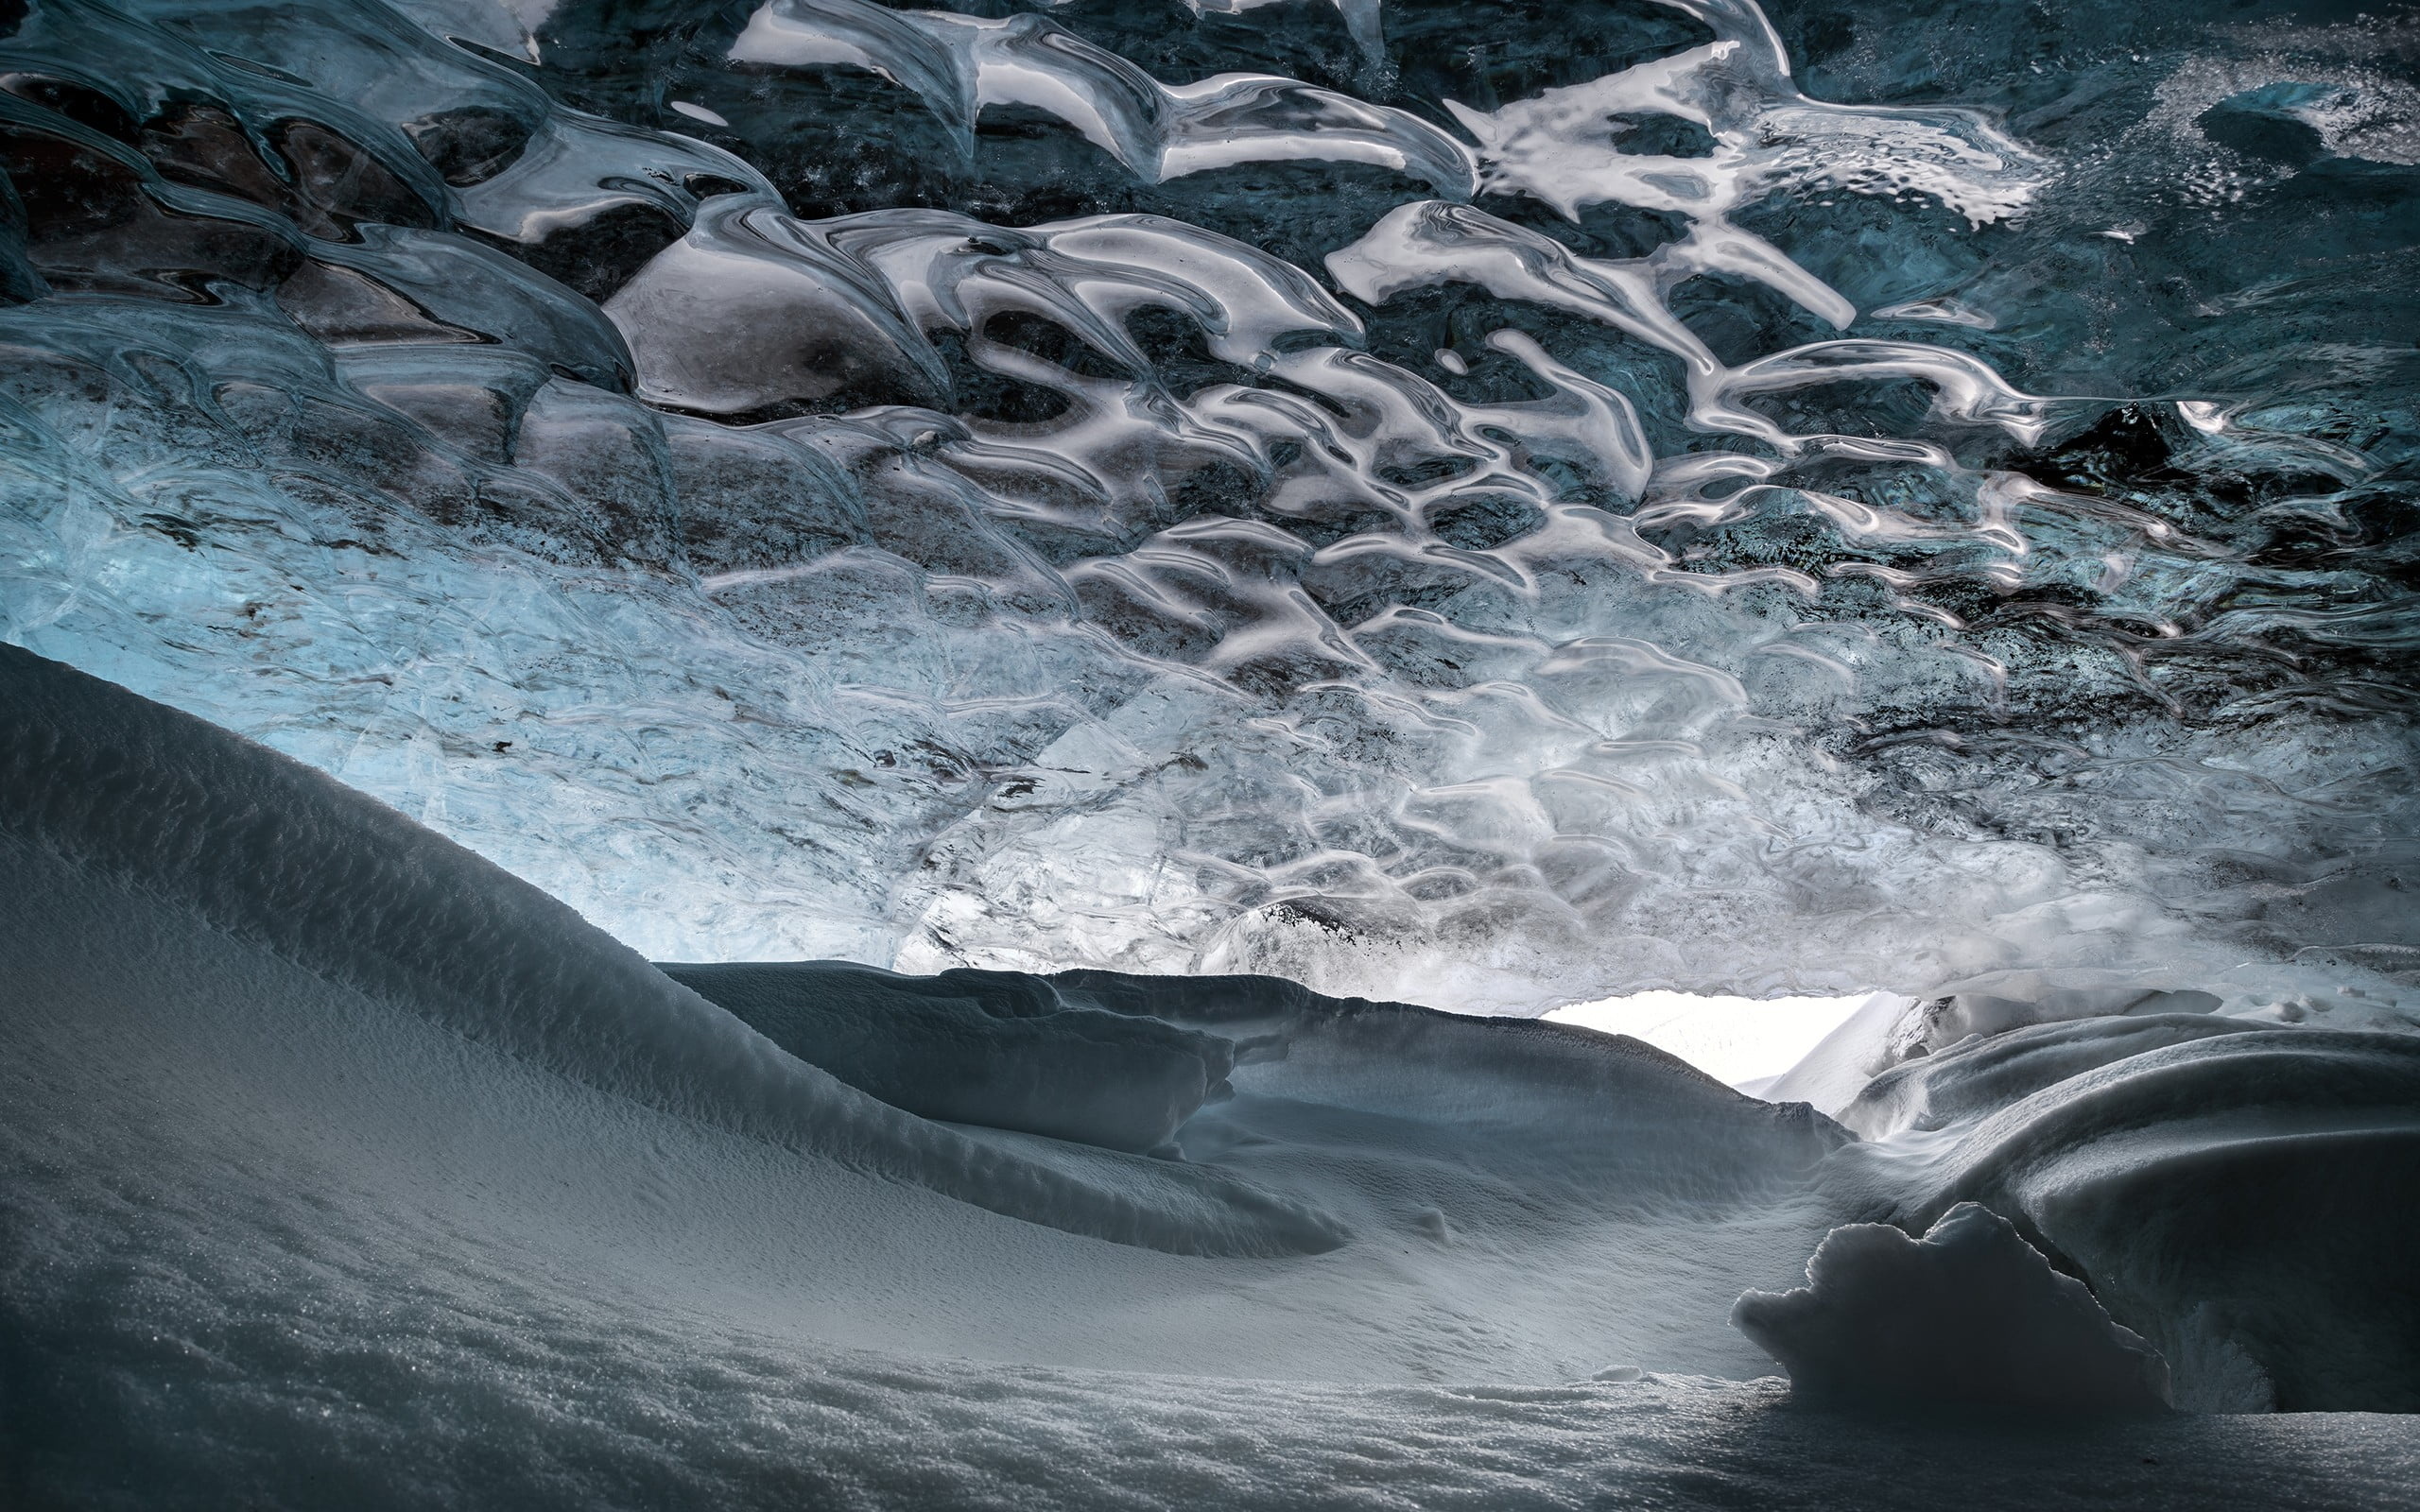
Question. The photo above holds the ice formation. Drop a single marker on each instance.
(1968, 1317)
(2219, 1182)
(1090, 565)
(1041, 487)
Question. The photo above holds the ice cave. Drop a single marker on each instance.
(1209, 754)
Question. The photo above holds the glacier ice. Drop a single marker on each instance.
(1437, 544)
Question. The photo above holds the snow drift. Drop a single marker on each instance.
(269, 1052)
(1970, 1315)
(980, 1047)
(276, 855)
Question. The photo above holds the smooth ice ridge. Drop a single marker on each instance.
(752, 308)
(958, 66)
(1968, 1317)
(1420, 246)
(2237, 1190)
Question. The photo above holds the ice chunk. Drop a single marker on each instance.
(1969, 1316)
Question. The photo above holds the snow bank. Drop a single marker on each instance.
(293, 863)
(298, 1022)
(2243, 1194)
(996, 1048)
(1970, 1315)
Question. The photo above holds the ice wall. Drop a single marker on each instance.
(1440, 510)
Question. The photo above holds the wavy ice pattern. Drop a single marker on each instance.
(960, 64)
(1427, 508)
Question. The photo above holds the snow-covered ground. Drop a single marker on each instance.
(346, 1169)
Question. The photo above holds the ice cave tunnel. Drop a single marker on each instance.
(1376, 754)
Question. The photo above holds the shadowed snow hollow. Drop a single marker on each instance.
(1970, 1315)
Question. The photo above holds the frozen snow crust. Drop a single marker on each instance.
(340, 1163)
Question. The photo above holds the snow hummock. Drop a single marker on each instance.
(1970, 1315)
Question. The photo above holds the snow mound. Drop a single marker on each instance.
(295, 1024)
(1969, 1316)
(996, 1048)
(260, 848)
(2235, 1196)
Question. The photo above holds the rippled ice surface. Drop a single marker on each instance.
(1487, 504)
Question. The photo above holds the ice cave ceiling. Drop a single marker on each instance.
(1487, 504)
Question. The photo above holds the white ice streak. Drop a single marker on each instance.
(1563, 146)
(960, 64)
(1363, 19)
(753, 307)
(1431, 243)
